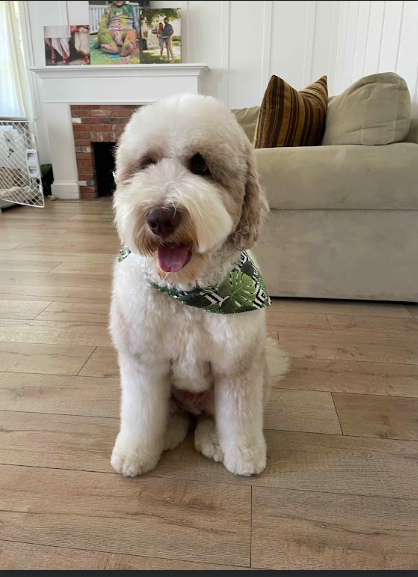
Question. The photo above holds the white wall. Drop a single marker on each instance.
(301, 41)
(244, 42)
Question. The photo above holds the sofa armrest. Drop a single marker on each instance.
(346, 177)
(412, 135)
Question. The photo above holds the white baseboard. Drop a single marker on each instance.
(66, 190)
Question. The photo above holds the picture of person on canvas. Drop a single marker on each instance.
(81, 39)
(161, 41)
(168, 32)
(57, 38)
(119, 30)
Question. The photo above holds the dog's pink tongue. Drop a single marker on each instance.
(172, 258)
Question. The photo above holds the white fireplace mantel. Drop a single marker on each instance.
(130, 84)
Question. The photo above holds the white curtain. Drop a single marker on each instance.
(14, 87)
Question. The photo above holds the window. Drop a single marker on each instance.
(14, 89)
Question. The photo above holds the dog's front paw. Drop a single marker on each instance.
(246, 461)
(131, 458)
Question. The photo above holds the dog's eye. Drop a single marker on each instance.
(147, 162)
(199, 166)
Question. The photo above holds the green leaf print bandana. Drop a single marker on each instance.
(241, 291)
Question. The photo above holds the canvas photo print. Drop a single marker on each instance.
(161, 36)
(115, 32)
(67, 45)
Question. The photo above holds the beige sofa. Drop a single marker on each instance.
(344, 220)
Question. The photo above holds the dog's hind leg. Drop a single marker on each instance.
(177, 429)
(277, 360)
(206, 440)
(275, 368)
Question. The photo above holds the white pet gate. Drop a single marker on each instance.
(20, 173)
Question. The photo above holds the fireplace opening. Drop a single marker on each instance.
(105, 167)
(96, 129)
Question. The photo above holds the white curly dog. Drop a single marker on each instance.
(188, 203)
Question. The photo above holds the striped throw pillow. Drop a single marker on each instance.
(291, 118)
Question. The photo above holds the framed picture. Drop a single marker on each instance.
(115, 32)
(160, 36)
(67, 45)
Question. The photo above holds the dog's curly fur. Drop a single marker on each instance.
(162, 344)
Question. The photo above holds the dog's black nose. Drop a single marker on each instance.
(164, 221)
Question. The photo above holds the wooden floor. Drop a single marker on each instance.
(341, 487)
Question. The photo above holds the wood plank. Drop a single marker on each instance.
(57, 441)
(352, 377)
(285, 321)
(56, 280)
(54, 333)
(97, 232)
(32, 216)
(57, 225)
(69, 247)
(98, 239)
(65, 395)
(382, 417)
(314, 462)
(59, 210)
(308, 411)
(57, 258)
(316, 531)
(340, 307)
(92, 217)
(26, 266)
(88, 269)
(43, 359)
(131, 563)
(103, 363)
(63, 208)
(151, 517)
(76, 312)
(100, 204)
(17, 238)
(21, 309)
(8, 245)
(23, 557)
(54, 293)
(362, 325)
(26, 227)
(373, 348)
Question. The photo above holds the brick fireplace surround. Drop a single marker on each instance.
(92, 124)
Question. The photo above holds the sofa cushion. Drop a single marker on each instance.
(375, 110)
(247, 118)
(341, 177)
(412, 135)
(291, 118)
(340, 254)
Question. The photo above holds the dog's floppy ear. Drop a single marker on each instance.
(254, 210)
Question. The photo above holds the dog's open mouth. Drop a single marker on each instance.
(174, 257)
